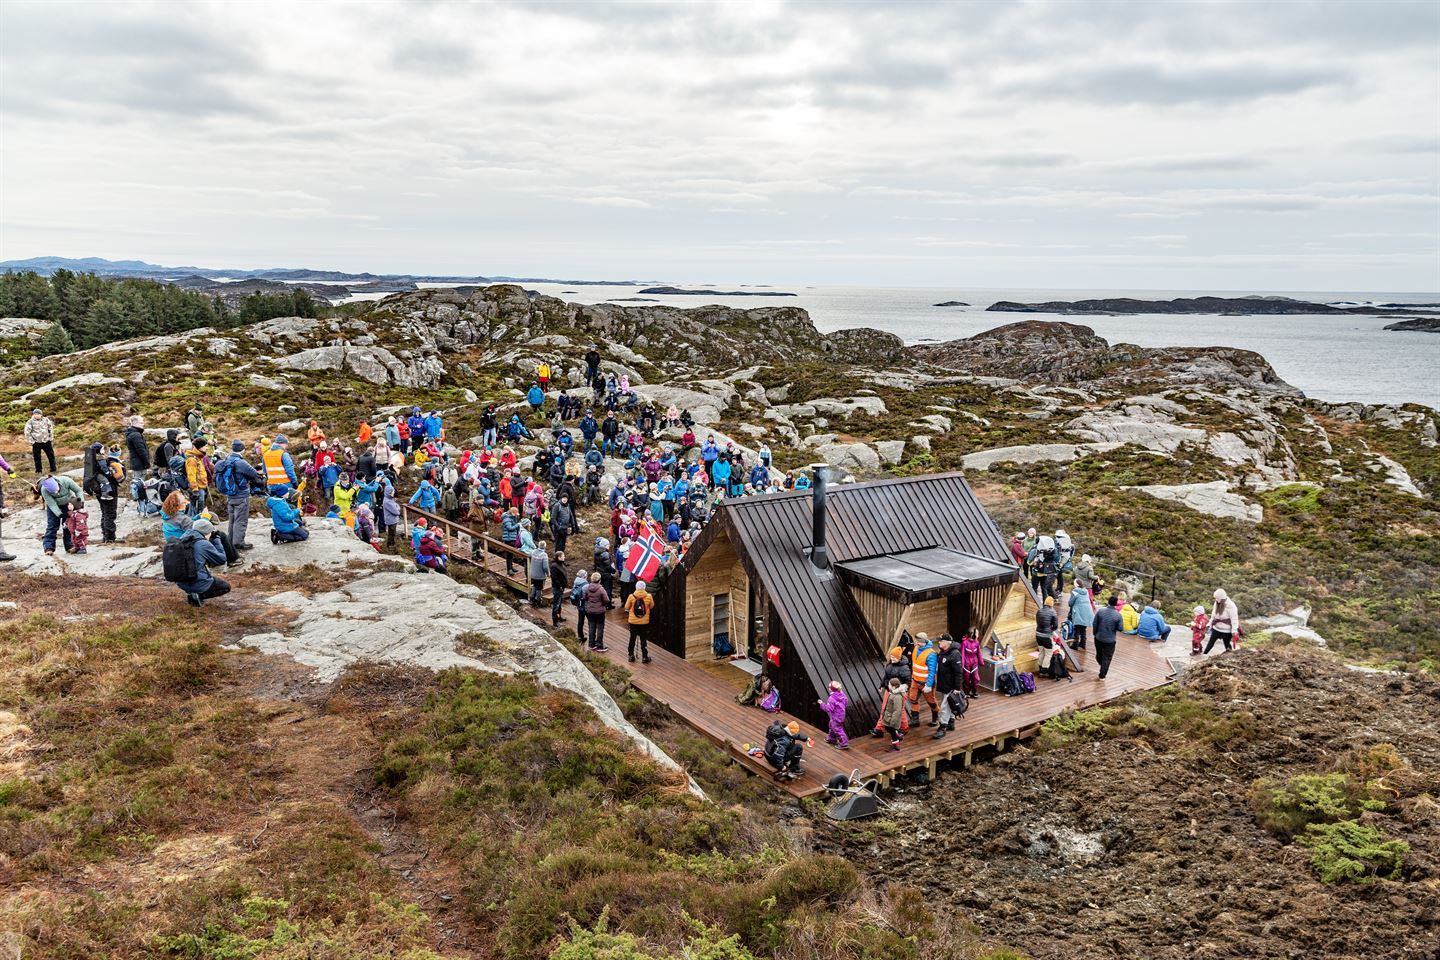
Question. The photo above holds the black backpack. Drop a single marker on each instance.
(959, 703)
(641, 606)
(176, 468)
(178, 562)
(1056, 670)
(1010, 685)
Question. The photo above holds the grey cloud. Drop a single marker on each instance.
(432, 55)
(1174, 84)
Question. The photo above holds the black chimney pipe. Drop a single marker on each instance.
(818, 554)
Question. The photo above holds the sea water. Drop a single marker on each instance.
(1339, 359)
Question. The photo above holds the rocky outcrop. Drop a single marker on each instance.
(1418, 325)
(373, 364)
(1213, 499)
(15, 327)
(683, 292)
(362, 623)
(1032, 453)
(69, 383)
(1068, 353)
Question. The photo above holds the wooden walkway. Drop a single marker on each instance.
(706, 702)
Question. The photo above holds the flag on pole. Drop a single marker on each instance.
(644, 558)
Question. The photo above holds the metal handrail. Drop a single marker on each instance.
(1152, 577)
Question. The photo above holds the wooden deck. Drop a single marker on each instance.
(706, 702)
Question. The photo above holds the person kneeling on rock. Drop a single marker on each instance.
(201, 541)
(289, 526)
(784, 748)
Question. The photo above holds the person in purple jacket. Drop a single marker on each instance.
(5, 471)
(835, 708)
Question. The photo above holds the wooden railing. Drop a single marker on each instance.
(476, 547)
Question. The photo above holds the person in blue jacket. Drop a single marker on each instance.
(709, 453)
(208, 553)
(1081, 616)
(416, 423)
(536, 396)
(434, 426)
(426, 497)
(1152, 626)
(802, 481)
(289, 526)
(280, 475)
(365, 492)
(759, 476)
(392, 435)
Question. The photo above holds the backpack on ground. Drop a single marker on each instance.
(722, 646)
(227, 479)
(176, 468)
(1027, 681)
(178, 562)
(1009, 685)
(1057, 670)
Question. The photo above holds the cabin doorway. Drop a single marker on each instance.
(755, 632)
(958, 615)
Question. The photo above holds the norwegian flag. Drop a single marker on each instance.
(644, 557)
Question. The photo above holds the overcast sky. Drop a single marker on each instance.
(1280, 146)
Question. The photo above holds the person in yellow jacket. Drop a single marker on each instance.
(1129, 615)
(343, 496)
(197, 475)
(924, 661)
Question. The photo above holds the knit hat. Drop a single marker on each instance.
(896, 653)
(237, 445)
(792, 727)
(1199, 610)
(200, 443)
(280, 438)
(203, 527)
(50, 485)
(1049, 601)
(1221, 595)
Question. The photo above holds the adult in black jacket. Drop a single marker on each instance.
(560, 590)
(135, 443)
(947, 681)
(167, 448)
(592, 366)
(1046, 623)
(365, 466)
(605, 566)
(1108, 623)
(562, 518)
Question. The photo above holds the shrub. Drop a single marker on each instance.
(816, 878)
(1352, 851)
(1286, 808)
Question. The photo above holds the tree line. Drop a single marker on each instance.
(86, 310)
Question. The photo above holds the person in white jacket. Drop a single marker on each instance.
(1224, 621)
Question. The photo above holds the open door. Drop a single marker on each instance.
(958, 616)
(755, 632)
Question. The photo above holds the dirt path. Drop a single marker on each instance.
(1134, 847)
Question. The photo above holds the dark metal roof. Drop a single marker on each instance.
(771, 533)
(919, 575)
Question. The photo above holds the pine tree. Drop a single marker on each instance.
(56, 340)
(105, 321)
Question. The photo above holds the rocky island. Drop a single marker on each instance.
(953, 303)
(1222, 306)
(683, 292)
(1418, 325)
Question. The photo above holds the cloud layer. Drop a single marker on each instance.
(1207, 146)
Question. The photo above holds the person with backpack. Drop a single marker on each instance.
(102, 480)
(1108, 624)
(947, 681)
(559, 588)
(59, 495)
(1047, 622)
(197, 476)
(287, 525)
(638, 609)
(40, 433)
(186, 563)
(167, 449)
(236, 480)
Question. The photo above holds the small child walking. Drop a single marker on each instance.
(77, 521)
(970, 665)
(835, 708)
(1199, 627)
(892, 711)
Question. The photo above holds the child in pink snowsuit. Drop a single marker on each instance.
(835, 709)
(1198, 628)
(970, 665)
(77, 521)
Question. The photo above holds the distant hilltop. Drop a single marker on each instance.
(45, 266)
(1222, 306)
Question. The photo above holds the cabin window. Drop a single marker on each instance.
(720, 622)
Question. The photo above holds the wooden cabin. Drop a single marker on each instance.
(832, 577)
